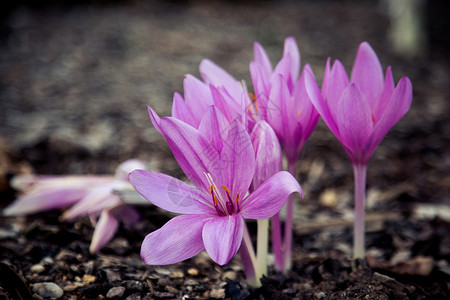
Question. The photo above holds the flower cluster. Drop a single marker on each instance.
(230, 143)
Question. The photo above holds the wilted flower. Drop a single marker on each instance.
(90, 195)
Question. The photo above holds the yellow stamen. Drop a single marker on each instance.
(253, 97)
(299, 113)
(237, 198)
(373, 118)
(215, 200)
(226, 189)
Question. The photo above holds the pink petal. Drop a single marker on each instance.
(239, 158)
(154, 118)
(398, 106)
(337, 83)
(128, 166)
(197, 95)
(367, 74)
(213, 125)
(177, 240)
(170, 193)
(105, 230)
(269, 157)
(182, 111)
(193, 152)
(291, 49)
(385, 97)
(222, 237)
(44, 200)
(319, 103)
(262, 59)
(261, 87)
(354, 119)
(270, 196)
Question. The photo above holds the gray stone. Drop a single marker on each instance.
(116, 291)
(48, 290)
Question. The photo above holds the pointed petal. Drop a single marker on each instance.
(182, 111)
(222, 237)
(193, 152)
(354, 118)
(283, 68)
(367, 74)
(178, 240)
(156, 120)
(319, 103)
(398, 106)
(239, 158)
(385, 97)
(170, 193)
(197, 95)
(213, 125)
(270, 196)
(269, 158)
(290, 47)
(337, 83)
(262, 59)
(127, 167)
(44, 200)
(105, 230)
(218, 77)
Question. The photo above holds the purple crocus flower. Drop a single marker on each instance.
(281, 99)
(89, 195)
(360, 112)
(219, 159)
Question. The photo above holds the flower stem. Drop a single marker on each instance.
(262, 247)
(277, 244)
(249, 260)
(288, 225)
(359, 173)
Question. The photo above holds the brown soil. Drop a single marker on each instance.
(75, 81)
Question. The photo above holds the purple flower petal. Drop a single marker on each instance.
(291, 49)
(170, 193)
(269, 158)
(385, 98)
(270, 196)
(154, 118)
(182, 111)
(337, 82)
(367, 74)
(222, 237)
(193, 152)
(177, 240)
(105, 230)
(262, 59)
(212, 126)
(197, 95)
(239, 160)
(398, 106)
(127, 167)
(354, 119)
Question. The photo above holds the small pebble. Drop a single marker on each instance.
(37, 268)
(328, 198)
(88, 279)
(217, 293)
(320, 295)
(230, 275)
(163, 271)
(48, 290)
(177, 274)
(171, 289)
(70, 288)
(191, 282)
(133, 297)
(193, 272)
(116, 291)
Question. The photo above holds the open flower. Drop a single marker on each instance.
(219, 159)
(89, 195)
(360, 111)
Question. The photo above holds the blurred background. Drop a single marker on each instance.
(76, 78)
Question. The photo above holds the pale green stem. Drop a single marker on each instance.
(249, 260)
(359, 172)
(262, 246)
